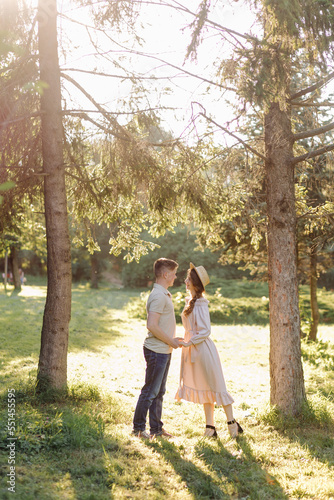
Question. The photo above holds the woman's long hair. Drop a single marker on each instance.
(199, 290)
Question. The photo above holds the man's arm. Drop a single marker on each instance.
(154, 328)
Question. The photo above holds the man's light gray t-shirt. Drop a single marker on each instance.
(160, 301)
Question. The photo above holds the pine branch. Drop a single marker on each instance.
(203, 164)
(312, 154)
(313, 87)
(184, 71)
(234, 136)
(84, 116)
(312, 104)
(80, 179)
(117, 130)
(121, 77)
(4, 123)
(73, 112)
(311, 213)
(105, 129)
(314, 132)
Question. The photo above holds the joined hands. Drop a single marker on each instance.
(185, 344)
(179, 342)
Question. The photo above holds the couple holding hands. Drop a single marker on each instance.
(201, 376)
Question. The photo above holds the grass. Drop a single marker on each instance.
(79, 445)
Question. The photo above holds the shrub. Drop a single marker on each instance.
(242, 310)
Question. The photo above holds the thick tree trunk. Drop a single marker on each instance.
(52, 370)
(286, 371)
(313, 296)
(15, 268)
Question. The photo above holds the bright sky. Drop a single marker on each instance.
(165, 35)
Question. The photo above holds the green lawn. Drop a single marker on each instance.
(80, 446)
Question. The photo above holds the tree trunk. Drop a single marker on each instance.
(15, 268)
(52, 370)
(286, 371)
(6, 270)
(313, 296)
(94, 262)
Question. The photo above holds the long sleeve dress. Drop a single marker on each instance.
(201, 375)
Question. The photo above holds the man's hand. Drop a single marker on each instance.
(176, 342)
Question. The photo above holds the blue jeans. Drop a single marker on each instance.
(151, 396)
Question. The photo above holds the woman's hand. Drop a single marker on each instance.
(185, 344)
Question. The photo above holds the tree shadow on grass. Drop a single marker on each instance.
(312, 431)
(229, 475)
(319, 444)
(316, 440)
(199, 483)
(240, 470)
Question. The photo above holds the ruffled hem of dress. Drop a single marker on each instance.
(195, 396)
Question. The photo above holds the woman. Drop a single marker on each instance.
(201, 379)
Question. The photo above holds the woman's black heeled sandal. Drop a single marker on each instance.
(240, 429)
(214, 435)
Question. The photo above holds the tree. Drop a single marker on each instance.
(52, 368)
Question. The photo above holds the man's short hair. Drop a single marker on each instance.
(162, 264)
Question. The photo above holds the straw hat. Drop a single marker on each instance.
(201, 273)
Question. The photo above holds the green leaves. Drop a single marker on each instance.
(6, 186)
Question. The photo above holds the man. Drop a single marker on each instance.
(158, 346)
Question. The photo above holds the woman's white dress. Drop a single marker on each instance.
(201, 376)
